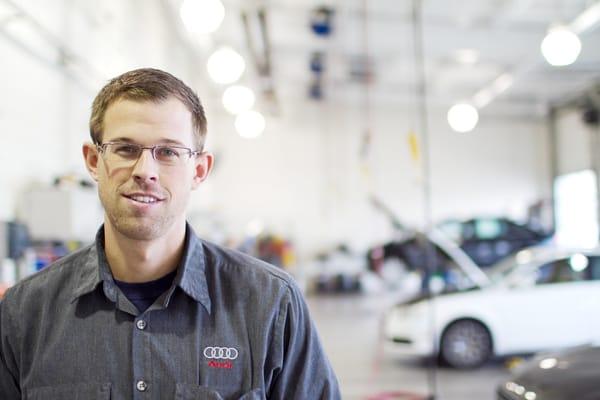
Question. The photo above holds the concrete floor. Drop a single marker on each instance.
(349, 329)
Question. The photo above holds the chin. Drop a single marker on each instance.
(142, 229)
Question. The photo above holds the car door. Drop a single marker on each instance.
(549, 305)
(592, 303)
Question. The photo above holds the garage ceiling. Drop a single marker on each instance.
(505, 36)
(502, 38)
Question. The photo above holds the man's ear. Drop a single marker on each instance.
(91, 157)
(203, 165)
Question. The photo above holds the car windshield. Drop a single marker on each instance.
(527, 259)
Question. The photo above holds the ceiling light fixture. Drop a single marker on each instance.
(250, 124)
(561, 46)
(463, 117)
(502, 83)
(483, 97)
(584, 22)
(202, 16)
(488, 93)
(587, 19)
(225, 66)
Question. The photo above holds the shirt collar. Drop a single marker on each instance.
(94, 269)
(191, 277)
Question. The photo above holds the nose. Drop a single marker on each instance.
(145, 169)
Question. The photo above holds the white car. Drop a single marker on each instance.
(540, 299)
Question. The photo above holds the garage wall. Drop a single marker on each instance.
(574, 142)
(30, 124)
(303, 178)
(47, 96)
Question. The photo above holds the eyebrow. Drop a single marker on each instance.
(161, 141)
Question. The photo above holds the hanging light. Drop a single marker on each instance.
(202, 16)
(561, 46)
(237, 99)
(225, 65)
(250, 124)
(463, 117)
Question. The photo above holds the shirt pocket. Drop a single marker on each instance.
(78, 391)
(186, 391)
(256, 394)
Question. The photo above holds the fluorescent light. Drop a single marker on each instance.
(202, 16)
(226, 66)
(561, 46)
(502, 83)
(463, 117)
(483, 97)
(587, 19)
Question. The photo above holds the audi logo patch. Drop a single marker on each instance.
(220, 353)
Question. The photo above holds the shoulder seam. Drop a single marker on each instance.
(58, 264)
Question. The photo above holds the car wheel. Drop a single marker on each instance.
(465, 344)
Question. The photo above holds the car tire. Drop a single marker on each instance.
(465, 344)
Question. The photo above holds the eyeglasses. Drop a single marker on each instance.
(123, 153)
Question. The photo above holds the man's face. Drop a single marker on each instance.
(145, 199)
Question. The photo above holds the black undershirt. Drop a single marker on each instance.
(142, 295)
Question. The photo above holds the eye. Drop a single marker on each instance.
(167, 153)
(125, 149)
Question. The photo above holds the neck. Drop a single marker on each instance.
(134, 261)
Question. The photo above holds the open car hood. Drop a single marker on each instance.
(464, 262)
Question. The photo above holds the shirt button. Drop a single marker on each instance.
(141, 324)
(141, 386)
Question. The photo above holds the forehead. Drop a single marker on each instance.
(148, 122)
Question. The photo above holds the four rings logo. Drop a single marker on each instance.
(220, 353)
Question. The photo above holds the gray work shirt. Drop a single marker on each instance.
(230, 327)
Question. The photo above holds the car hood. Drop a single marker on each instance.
(424, 297)
(462, 260)
(570, 374)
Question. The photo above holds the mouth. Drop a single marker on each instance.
(143, 198)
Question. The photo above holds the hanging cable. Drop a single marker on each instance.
(367, 138)
(430, 264)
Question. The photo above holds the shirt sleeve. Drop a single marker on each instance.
(9, 384)
(305, 371)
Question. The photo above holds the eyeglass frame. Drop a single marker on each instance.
(101, 147)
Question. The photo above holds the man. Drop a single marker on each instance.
(150, 311)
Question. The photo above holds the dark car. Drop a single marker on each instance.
(488, 240)
(569, 374)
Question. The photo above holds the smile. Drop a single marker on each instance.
(145, 199)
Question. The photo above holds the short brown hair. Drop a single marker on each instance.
(146, 84)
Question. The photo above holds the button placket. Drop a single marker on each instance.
(140, 356)
(141, 324)
(141, 386)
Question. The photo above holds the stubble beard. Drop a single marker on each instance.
(136, 227)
